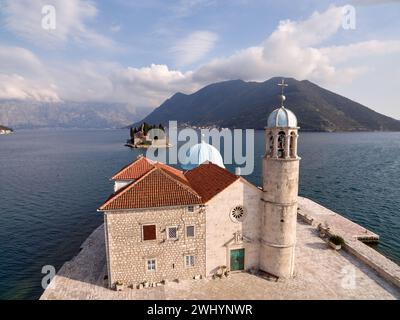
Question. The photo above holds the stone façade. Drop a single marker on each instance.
(127, 252)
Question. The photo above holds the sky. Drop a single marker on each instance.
(142, 52)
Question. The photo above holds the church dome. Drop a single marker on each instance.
(200, 153)
(282, 117)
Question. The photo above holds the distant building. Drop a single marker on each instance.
(165, 224)
(5, 130)
(147, 136)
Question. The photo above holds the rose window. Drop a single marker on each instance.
(238, 213)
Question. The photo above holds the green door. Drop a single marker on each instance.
(237, 259)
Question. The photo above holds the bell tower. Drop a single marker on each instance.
(280, 190)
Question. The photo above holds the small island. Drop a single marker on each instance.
(5, 130)
(147, 135)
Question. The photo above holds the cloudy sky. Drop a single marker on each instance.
(141, 52)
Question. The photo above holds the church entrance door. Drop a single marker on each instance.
(237, 259)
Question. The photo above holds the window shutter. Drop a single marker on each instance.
(149, 232)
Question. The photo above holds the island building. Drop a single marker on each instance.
(163, 224)
(148, 136)
(5, 130)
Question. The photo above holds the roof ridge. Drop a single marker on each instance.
(130, 186)
(208, 180)
(131, 164)
(166, 165)
(226, 171)
(189, 188)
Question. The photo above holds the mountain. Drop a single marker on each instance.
(239, 104)
(33, 114)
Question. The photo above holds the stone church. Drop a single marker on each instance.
(163, 224)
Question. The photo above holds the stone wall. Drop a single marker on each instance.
(281, 181)
(221, 228)
(127, 253)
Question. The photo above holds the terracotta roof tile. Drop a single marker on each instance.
(134, 170)
(175, 173)
(157, 188)
(159, 185)
(209, 179)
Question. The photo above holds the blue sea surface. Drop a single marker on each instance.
(52, 182)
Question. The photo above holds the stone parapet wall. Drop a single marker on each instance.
(315, 214)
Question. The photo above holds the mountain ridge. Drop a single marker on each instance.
(27, 114)
(240, 104)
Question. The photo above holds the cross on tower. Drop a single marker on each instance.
(282, 85)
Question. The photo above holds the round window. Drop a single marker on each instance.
(238, 214)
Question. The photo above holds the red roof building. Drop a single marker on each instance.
(163, 224)
(152, 184)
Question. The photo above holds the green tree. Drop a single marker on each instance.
(132, 132)
(146, 128)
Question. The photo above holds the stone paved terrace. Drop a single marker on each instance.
(350, 232)
(347, 228)
(321, 273)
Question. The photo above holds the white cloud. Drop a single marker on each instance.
(15, 59)
(150, 86)
(23, 76)
(339, 54)
(291, 50)
(194, 47)
(24, 18)
(17, 87)
(140, 87)
(295, 49)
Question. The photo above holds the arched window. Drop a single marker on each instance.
(271, 144)
(281, 144)
(293, 145)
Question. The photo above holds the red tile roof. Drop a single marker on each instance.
(155, 189)
(159, 185)
(175, 173)
(134, 170)
(208, 180)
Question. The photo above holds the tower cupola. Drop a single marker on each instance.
(283, 118)
(281, 131)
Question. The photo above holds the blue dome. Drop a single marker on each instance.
(200, 153)
(282, 117)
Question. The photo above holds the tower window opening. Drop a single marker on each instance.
(292, 145)
(281, 144)
(271, 145)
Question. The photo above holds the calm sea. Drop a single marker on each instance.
(52, 182)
